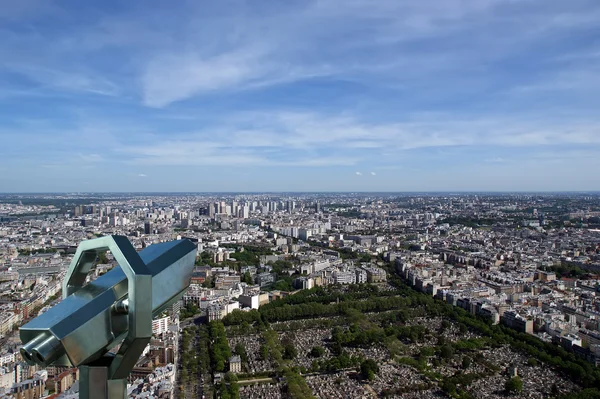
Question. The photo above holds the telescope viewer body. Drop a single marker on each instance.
(116, 307)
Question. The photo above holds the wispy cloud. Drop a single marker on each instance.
(319, 140)
(172, 77)
(90, 158)
(371, 86)
(495, 160)
(358, 174)
(197, 49)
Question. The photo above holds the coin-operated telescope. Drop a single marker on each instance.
(116, 308)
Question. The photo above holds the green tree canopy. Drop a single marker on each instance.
(514, 385)
(368, 369)
(447, 352)
(317, 351)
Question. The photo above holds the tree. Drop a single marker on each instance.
(248, 278)
(289, 351)
(189, 310)
(219, 364)
(230, 377)
(208, 283)
(427, 352)
(446, 352)
(514, 385)
(264, 352)
(368, 369)
(445, 325)
(365, 258)
(532, 362)
(219, 349)
(317, 351)
(283, 285)
(449, 387)
(466, 362)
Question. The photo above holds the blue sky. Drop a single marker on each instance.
(322, 95)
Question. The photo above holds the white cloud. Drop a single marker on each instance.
(313, 139)
(495, 160)
(312, 130)
(142, 175)
(300, 139)
(320, 38)
(68, 79)
(164, 56)
(173, 77)
(424, 55)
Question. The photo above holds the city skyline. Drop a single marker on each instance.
(107, 194)
(373, 295)
(391, 96)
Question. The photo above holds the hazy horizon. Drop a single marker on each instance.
(454, 192)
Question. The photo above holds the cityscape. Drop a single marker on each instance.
(316, 199)
(329, 295)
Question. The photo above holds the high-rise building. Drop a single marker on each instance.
(317, 207)
(148, 227)
(290, 206)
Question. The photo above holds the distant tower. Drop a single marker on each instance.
(290, 206)
(148, 227)
(318, 207)
(245, 212)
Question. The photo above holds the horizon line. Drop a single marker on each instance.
(307, 192)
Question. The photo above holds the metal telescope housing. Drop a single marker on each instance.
(117, 307)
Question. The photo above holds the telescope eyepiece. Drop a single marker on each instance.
(48, 351)
(43, 349)
(26, 355)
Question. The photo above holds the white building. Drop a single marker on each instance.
(249, 301)
(160, 326)
(7, 358)
(344, 277)
(361, 276)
